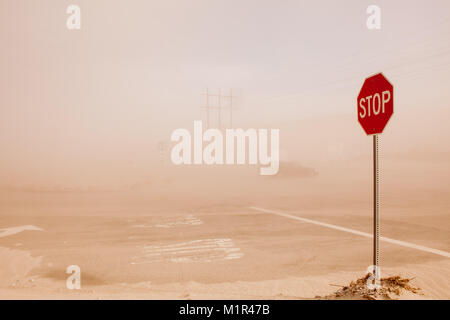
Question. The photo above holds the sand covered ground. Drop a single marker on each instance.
(205, 241)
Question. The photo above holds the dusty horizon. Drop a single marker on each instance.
(89, 107)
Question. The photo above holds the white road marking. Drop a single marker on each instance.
(205, 250)
(360, 233)
(189, 220)
(14, 230)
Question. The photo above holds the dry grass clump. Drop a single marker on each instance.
(389, 286)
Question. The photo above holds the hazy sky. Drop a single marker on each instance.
(136, 70)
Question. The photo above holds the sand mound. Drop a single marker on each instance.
(391, 288)
(15, 265)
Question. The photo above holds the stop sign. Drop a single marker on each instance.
(375, 104)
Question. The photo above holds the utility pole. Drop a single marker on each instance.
(207, 109)
(219, 107)
(162, 148)
(231, 108)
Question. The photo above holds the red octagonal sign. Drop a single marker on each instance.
(375, 104)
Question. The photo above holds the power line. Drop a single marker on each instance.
(220, 107)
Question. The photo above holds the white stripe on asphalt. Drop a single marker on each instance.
(359, 233)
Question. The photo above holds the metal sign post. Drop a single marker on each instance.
(376, 208)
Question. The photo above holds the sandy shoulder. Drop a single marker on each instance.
(433, 278)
